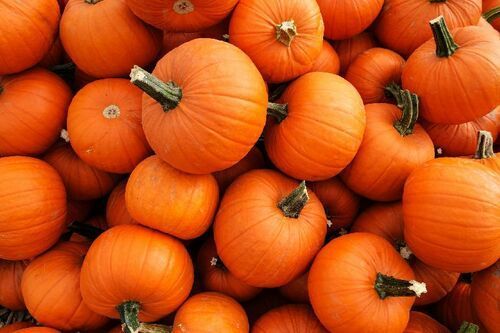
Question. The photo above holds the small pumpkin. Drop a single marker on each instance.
(349, 49)
(116, 209)
(292, 318)
(422, 323)
(296, 290)
(283, 38)
(485, 154)
(456, 307)
(485, 297)
(15, 327)
(11, 296)
(328, 60)
(491, 9)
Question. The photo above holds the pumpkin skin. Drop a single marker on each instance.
(344, 18)
(489, 5)
(422, 323)
(248, 249)
(462, 231)
(143, 256)
(10, 284)
(485, 297)
(51, 289)
(343, 295)
(111, 28)
(38, 329)
(214, 100)
(30, 223)
(182, 15)
(403, 24)
(349, 49)
(389, 155)
(216, 277)
(32, 111)
(104, 124)
(323, 128)
(254, 28)
(293, 318)
(296, 290)
(169, 200)
(328, 61)
(456, 307)
(28, 31)
(116, 209)
(372, 71)
(15, 327)
(210, 312)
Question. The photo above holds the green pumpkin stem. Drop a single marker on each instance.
(278, 111)
(286, 32)
(129, 315)
(388, 286)
(86, 230)
(467, 327)
(492, 14)
(484, 145)
(155, 328)
(168, 94)
(394, 90)
(410, 109)
(292, 204)
(445, 45)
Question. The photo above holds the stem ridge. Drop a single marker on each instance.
(484, 145)
(129, 315)
(445, 45)
(388, 286)
(278, 111)
(292, 204)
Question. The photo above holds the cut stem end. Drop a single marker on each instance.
(484, 147)
(278, 111)
(286, 32)
(129, 315)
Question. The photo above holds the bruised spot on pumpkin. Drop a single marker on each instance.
(183, 7)
(111, 112)
(89, 150)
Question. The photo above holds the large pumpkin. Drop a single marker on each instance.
(282, 37)
(105, 39)
(349, 49)
(485, 297)
(116, 209)
(422, 323)
(208, 116)
(32, 209)
(268, 228)
(11, 272)
(169, 200)
(51, 289)
(403, 24)
(327, 61)
(293, 318)
(104, 124)
(32, 111)
(28, 31)
(317, 128)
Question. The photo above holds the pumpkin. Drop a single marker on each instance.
(316, 128)
(456, 307)
(490, 13)
(345, 18)
(15, 327)
(373, 71)
(10, 284)
(166, 199)
(293, 318)
(216, 277)
(32, 222)
(208, 116)
(450, 211)
(422, 323)
(402, 25)
(431, 73)
(296, 290)
(78, 210)
(484, 152)
(104, 124)
(386, 220)
(150, 276)
(182, 15)
(38, 329)
(32, 111)
(484, 24)
(54, 56)
(116, 209)
(210, 312)
(268, 228)
(327, 61)
(82, 181)
(393, 146)
(105, 39)
(341, 204)
(485, 297)
(375, 294)
(51, 289)
(349, 49)
(28, 31)
(283, 38)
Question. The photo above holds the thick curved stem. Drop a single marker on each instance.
(394, 90)
(286, 32)
(492, 14)
(86, 230)
(467, 327)
(484, 145)
(445, 45)
(410, 109)
(388, 286)
(278, 111)
(292, 204)
(168, 94)
(129, 315)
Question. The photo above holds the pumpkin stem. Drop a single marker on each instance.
(129, 315)
(388, 286)
(278, 111)
(468, 328)
(394, 90)
(111, 112)
(445, 45)
(492, 14)
(403, 249)
(92, 2)
(216, 262)
(86, 230)
(292, 204)
(168, 94)
(286, 32)
(155, 328)
(410, 109)
(64, 135)
(484, 145)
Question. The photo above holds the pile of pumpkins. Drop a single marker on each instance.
(264, 166)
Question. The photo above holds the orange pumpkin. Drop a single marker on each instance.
(283, 38)
(267, 300)
(15, 327)
(317, 129)
(293, 318)
(10, 284)
(268, 229)
(456, 307)
(32, 222)
(296, 290)
(54, 56)
(104, 124)
(485, 297)
(38, 329)
(105, 39)
(349, 49)
(328, 60)
(422, 323)
(28, 31)
(484, 152)
(116, 209)
(32, 111)
(207, 118)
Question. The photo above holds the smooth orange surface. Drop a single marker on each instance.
(456, 307)
(327, 61)
(296, 290)
(11, 273)
(485, 297)
(116, 209)
(349, 49)
(296, 318)
(422, 323)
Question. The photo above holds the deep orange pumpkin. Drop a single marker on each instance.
(490, 13)
(105, 39)
(456, 307)
(293, 318)
(349, 49)
(32, 209)
(32, 111)
(485, 296)
(15, 327)
(267, 300)
(327, 61)
(116, 209)
(54, 56)
(38, 329)
(317, 129)
(11, 296)
(266, 232)
(422, 323)
(282, 37)
(296, 290)
(78, 210)
(209, 116)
